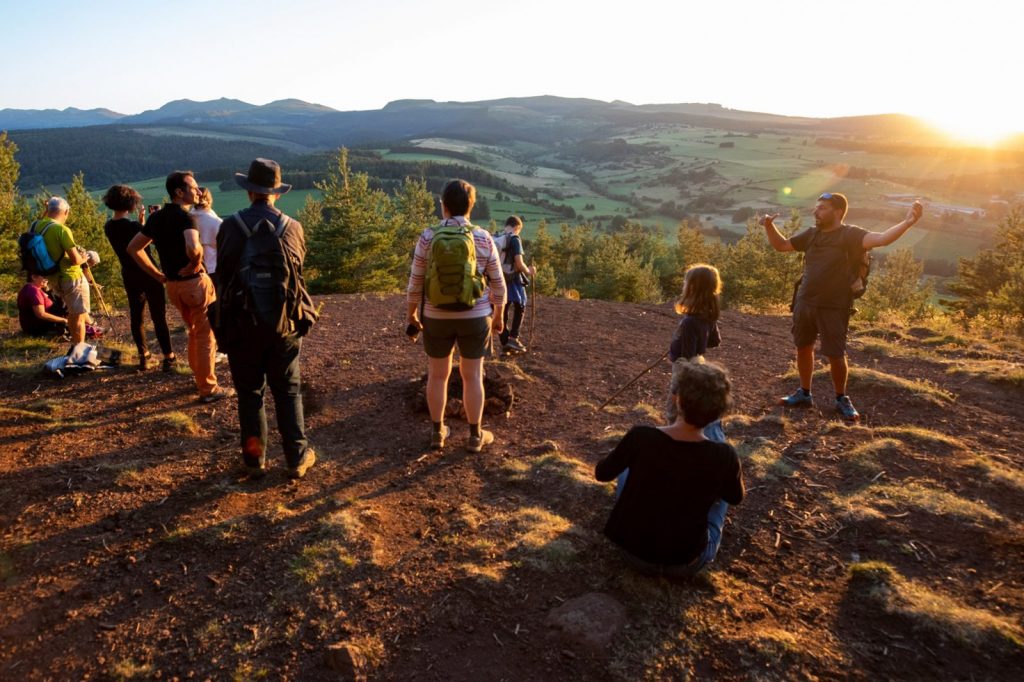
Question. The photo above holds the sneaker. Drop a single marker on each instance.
(514, 346)
(437, 438)
(846, 409)
(169, 364)
(477, 443)
(300, 469)
(797, 399)
(216, 394)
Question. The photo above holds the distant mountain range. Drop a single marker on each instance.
(540, 118)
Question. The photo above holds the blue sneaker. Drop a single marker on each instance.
(846, 409)
(797, 399)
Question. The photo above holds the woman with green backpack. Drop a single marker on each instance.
(456, 296)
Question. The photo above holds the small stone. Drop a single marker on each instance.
(346, 658)
(591, 620)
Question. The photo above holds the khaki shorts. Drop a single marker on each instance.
(831, 324)
(76, 295)
(471, 335)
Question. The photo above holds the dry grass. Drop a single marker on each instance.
(930, 610)
(865, 457)
(998, 372)
(173, 422)
(863, 377)
(874, 500)
(549, 466)
(765, 458)
(923, 437)
(998, 472)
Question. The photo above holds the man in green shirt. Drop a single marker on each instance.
(71, 282)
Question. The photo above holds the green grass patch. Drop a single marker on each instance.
(929, 610)
(998, 372)
(24, 355)
(321, 560)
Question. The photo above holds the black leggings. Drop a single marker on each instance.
(517, 321)
(140, 293)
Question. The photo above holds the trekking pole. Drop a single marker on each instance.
(533, 311)
(633, 381)
(104, 308)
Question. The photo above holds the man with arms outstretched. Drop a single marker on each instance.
(824, 299)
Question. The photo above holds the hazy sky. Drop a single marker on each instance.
(957, 63)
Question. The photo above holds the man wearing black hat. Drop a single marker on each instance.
(263, 347)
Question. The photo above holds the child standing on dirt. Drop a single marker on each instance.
(675, 485)
(698, 330)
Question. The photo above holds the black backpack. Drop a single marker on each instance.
(267, 285)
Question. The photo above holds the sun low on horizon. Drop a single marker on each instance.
(988, 129)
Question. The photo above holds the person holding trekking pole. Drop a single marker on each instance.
(835, 272)
(455, 282)
(698, 330)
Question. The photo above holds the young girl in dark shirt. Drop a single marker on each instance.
(698, 330)
(675, 485)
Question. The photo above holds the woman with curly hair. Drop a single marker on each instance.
(140, 287)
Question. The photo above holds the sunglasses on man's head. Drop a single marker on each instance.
(825, 196)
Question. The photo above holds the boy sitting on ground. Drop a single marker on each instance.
(674, 485)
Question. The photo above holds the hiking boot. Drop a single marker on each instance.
(477, 443)
(846, 409)
(437, 438)
(144, 361)
(216, 394)
(514, 346)
(255, 468)
(797, 399)
(300, 469)
(169, 364)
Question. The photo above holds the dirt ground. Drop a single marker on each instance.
(132, 547)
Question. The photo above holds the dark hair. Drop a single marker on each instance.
(176, 180)
(701, 286)
(839, 202)
(121, 198)
(514, 221)
(458, 197)
(702, 390)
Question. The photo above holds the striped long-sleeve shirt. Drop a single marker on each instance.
(486, 262)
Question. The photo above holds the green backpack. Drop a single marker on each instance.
(452, 281)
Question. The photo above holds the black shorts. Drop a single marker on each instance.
(831, 324)
(471, 334)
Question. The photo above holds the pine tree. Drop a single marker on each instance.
(896, 286)
(993, 280)
(86, 220)
(14, 211)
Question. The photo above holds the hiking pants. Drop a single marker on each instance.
(139, 294)
(192, 297)
(264, 357)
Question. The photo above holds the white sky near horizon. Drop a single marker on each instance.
(957, 64)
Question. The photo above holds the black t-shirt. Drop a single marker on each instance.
(167, 228)
(119, 233)
(693, 336)
(827, 268)
(662, 514)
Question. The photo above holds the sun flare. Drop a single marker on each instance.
(988, 128)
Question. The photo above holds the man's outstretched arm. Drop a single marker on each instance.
(873, 240)
(775, 238)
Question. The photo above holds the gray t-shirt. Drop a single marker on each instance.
(827, 269)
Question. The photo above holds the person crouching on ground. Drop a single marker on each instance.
(674, 486)
(470, 327)
(38, 314)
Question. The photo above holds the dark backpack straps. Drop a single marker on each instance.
(283, 222)
(241, 223)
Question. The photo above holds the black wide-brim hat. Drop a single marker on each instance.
(264, 178)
